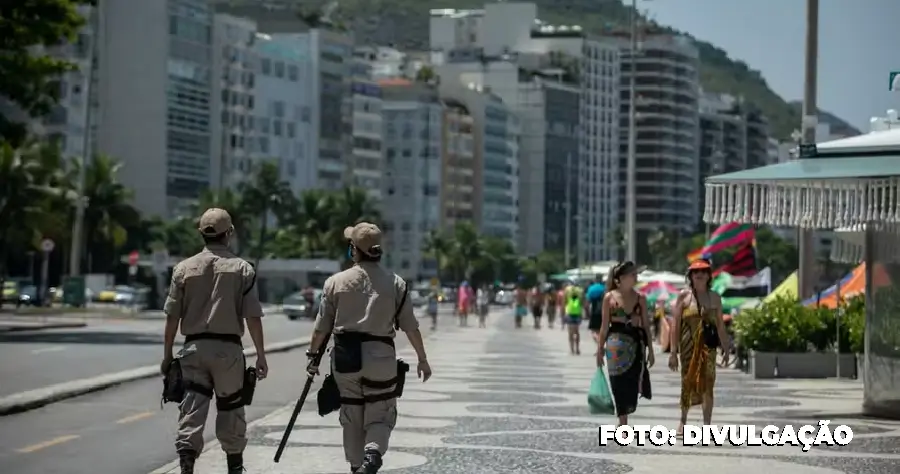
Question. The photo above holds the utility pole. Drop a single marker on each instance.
(568, 217)
(80, 203)
(810, 119)
(630, 197)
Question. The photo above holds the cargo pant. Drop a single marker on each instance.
(217, 365)
(368, 425)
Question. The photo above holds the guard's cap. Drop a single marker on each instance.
(215, 221)
(366, 237)
(699, 264)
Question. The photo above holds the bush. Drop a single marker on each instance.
(784, 325)
(776, 326)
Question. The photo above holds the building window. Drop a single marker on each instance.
(293, 73)
(279, 69)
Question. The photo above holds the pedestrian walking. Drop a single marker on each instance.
(625, 332)
(362, 307)
(698, 331)
(213, 296)
(482, 299)
(432, 309)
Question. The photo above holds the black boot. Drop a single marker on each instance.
(187, 459)
(371, 463)
(235, 463)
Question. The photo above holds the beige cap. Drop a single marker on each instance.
(215, 221)
(366, 237)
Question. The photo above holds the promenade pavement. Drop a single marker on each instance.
(514, 401)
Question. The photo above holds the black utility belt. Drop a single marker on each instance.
(232, 338)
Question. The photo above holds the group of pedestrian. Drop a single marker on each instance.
(213, 297)
(625, 342)
(471, 301)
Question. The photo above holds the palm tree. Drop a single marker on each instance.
(437, 245)
(309, 227)
(465, 249)
(265, 194)
(108, 212)
(31, 178)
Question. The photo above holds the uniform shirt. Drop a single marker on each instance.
(364, 298)
(213, 291)
(481, 297)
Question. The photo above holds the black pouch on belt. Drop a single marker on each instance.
(329, 397)
(249, 388)
(347, 353)
(402, 369)
(173, 383)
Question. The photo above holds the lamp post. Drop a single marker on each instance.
(810, 120)
(630, 170)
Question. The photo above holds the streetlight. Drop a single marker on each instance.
(630, 170)
(810, 120)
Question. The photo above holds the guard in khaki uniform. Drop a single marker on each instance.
(362, 306)
(213, 296)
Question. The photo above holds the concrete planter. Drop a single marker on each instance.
(801, 365)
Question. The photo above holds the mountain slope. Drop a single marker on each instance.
(404, 23)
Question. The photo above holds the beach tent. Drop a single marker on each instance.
(854, 283)
(787, 289)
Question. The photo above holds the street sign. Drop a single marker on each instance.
(434, 282)
(161, 261)
(47, 245)
(133, 258)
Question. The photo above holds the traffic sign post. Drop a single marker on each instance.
(133, 258)
(47, 246)
(161, 270)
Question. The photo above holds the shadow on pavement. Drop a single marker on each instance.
(82, 337)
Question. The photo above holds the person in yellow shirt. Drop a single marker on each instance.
(573, 306)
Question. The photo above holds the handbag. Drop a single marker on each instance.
(709, 330)
(600, 398)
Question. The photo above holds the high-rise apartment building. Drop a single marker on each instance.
(490, 47)
(155, 93)
(412, 183)
(367, 162)
(263, 105)
(667, 134)
(458, 165)
(495, 164)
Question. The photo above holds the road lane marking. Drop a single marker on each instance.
(135, 417)
(45, 350)
(47, 444)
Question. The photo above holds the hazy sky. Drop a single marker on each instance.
(858, 46)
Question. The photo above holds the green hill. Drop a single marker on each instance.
(404, 23)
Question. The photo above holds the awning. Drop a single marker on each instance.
(848, 182)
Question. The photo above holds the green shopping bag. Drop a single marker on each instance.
(600, 398)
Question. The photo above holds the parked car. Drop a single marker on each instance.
(296, 306)
(504, 297)
(28, 296)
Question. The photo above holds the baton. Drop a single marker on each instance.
(299, 406)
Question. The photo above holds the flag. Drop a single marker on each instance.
(743, 262)
(755, 286)
(727, 235)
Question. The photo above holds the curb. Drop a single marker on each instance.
(31, 399)
(41, 327)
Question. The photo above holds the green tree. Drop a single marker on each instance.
(108, 212)
(465, 249)
(617, 238)
(437, 246)
(425, 74)
(265, 195)
(29, 74)
(777, 253)
(31, 178)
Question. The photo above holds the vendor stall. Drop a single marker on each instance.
(852, 182)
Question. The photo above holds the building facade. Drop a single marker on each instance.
(667, 132)
(458, 166)
(366, 167)
(155, 113)
(412, 183)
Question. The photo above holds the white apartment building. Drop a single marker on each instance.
(488, 46)
(285, 126)
(368, 131)
(667, 152)
(387, 62)
(155, 94)
(412, 175)
(495, 171)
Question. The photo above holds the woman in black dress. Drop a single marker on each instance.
(625, 340)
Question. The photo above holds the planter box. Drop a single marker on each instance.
(801, 365)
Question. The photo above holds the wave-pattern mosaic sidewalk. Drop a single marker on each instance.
(513, 401)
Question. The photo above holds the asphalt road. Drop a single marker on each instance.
(122, 430)
(36, 359)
